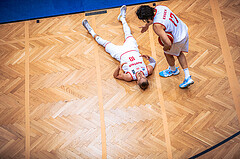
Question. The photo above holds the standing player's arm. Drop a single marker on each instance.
(121, 76)
(160, 31)
(145, 28)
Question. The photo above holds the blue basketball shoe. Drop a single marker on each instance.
(168, 72)
(186, 83)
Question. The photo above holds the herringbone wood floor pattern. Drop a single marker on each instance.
(64, 99)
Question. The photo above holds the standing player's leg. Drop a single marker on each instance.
(183, 62)
(172, 70)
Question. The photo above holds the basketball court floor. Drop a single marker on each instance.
(58, 97)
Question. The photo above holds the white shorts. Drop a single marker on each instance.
(116, 51)
(178, 47)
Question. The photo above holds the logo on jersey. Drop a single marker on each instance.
(133, 72)
(131, 58)
(135, 64)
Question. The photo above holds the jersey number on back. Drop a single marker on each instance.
(131, 58)
(173, 19)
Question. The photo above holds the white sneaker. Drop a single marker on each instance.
(86, 25)
(122, 12)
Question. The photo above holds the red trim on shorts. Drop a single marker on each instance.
(130, 74)
(107, 44)
(128, 37)
(161, 24)
(127, 52)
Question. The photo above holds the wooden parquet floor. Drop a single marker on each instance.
(78, 110)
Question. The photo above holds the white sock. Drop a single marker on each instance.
(92, 33)
(186, 72)
(101, 41)
(126, 28)
(123, 20)
(173, 68)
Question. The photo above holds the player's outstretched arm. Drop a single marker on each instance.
(145, 28)
(121, 76)
(151, 66)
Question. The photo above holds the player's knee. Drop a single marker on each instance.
(181, 54)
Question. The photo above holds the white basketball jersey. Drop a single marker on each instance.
(134, 64)
(172, 23)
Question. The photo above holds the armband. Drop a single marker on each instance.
(152, 62)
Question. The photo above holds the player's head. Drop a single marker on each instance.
(145, 13)
(142, 81)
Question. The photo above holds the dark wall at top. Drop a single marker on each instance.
(17, 10)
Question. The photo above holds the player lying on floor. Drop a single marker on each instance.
(131, 61)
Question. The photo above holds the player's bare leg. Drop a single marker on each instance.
(172, 70)
(170, 59)
(183, 62)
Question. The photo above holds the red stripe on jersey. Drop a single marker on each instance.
(130, 74)
(127, 52)
(170, 33)
(140, 71)
(155, 13)
(147, 70)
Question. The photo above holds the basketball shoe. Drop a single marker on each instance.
(86, 25)
(186, 83)
(168, 72)
(122, 12)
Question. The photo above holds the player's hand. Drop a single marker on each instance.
(144, 29)
(146, 56)
(166, 48)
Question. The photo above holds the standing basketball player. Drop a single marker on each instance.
(164, 20)
(131, 61)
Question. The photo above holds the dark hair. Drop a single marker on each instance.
(145, 12)
(144, 85)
